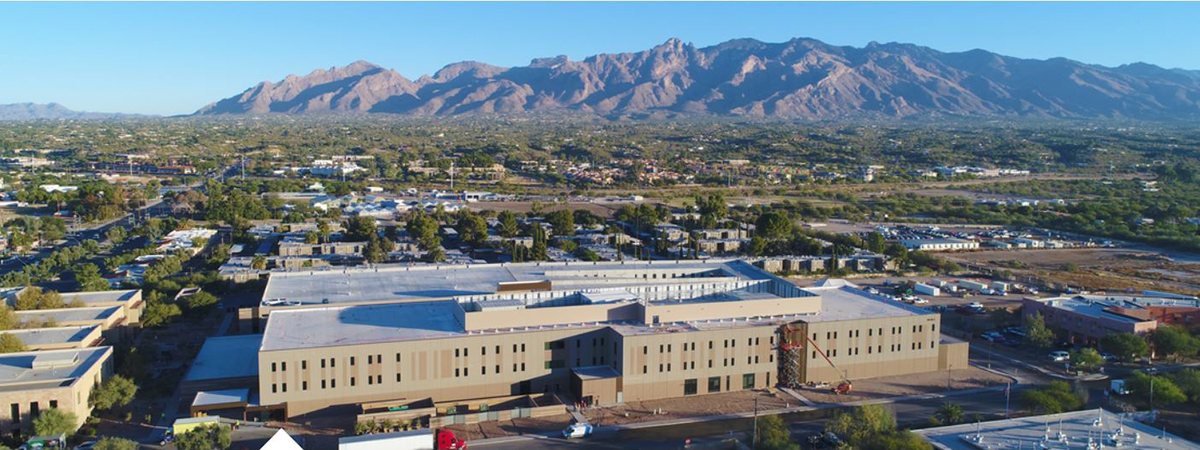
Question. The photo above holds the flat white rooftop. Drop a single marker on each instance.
(67, 315)
(366, 324)
(1096, 306)
(350, 325)
(226, 357)
(100, 296)
(841, 300)
(427, 282)
(222, 397)
(58, 367)
(1077, 429)
(49, 336)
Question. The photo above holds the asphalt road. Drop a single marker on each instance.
(76, 235)
(910, 413)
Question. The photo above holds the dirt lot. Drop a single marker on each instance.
(921, 383)
(682, 407)
(1095, 268)
(515, 427)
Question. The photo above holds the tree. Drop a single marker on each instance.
(312, 238)
(773, 434)
(34, 297)
(1037, 333)
(423, 229)
(712, 209)
(1055, 398)
(1174, 341)
(258, 263)
(1125, 346)
(585, 218)
(472, 228)
(116, 235)
(54, 421)
(435, 254)
(562, 221)
(1158, 390)
(875, 242)
(158, 313)
(361, 228)
(567, 245)
(1188, 381)
(209, 437)
(774, 225)
(10, 343)
(1087, 359)
(860, 423)
(116, 392)
(324, 230)
(757, 246)
(199, 300)
(508, 224)
(87, 276)
(949, 414)
(8, 319)
(115, 443)
(377, 249)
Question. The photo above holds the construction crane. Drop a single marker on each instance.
(845, 387)
(794, 352)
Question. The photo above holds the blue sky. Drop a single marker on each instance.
(172, 58)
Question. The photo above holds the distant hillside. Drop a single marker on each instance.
(799, 79)
(36, 111)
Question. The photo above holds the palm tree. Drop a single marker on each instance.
(949, 414)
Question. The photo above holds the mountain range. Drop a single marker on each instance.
(38, 111)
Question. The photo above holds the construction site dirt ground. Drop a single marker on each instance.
(514, 427)
(913, 384)
(690, 406)
(736, 402)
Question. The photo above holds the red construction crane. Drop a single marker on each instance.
(845, 387)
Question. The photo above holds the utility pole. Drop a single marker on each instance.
(754, 442)
(1007, 395)
(451, 176)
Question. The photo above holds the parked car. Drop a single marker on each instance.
(992, 336)
(577, 430)
(919, 301)
(1015, 331)
(1108, 356)
(1059, 356)
(86, 445)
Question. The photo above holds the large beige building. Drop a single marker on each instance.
(597, 332)
(31, 382)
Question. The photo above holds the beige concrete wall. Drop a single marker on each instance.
(658, 365)
(532, 317)
(428, 368)
(954, 355)
(699, 311)
(907, 345)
